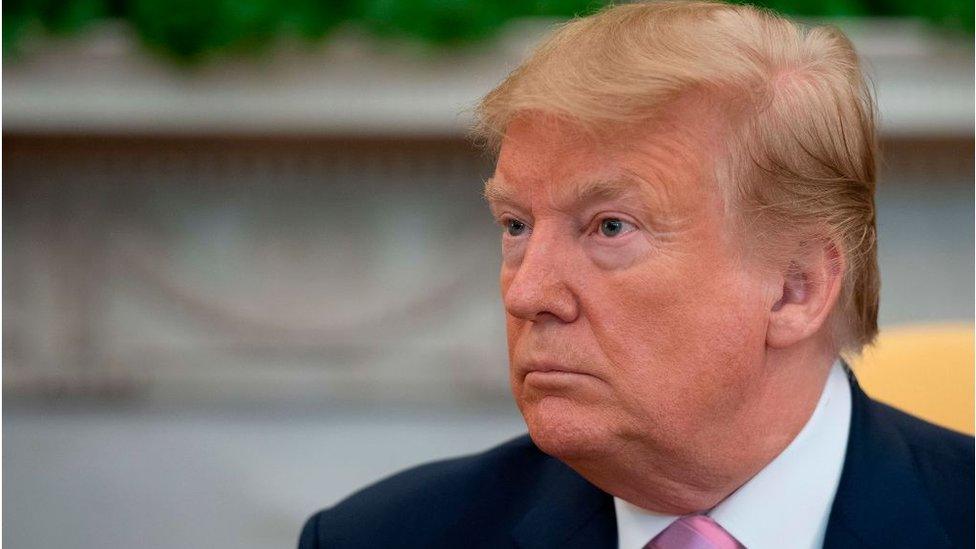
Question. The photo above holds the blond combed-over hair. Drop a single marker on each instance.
(800, 151)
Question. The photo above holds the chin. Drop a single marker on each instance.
(565, 429)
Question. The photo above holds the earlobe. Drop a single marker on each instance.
(809, 289)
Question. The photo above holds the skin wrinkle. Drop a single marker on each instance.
(588, 195)
(705, 353)
(670, 330)
(779, 85)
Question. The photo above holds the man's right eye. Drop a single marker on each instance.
(514, 227)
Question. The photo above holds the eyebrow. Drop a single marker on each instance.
(598, 189)
(495, 192)
(605, 189)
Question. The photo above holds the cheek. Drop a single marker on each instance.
(682, 340)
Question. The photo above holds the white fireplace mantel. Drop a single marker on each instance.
(103, 82)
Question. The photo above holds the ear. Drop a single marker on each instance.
(811, 284)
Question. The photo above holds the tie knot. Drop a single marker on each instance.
(694, 532)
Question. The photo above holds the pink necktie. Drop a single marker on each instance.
(694, 532)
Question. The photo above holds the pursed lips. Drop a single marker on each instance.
(552, 368)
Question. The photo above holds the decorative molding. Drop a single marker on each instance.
(102, 83)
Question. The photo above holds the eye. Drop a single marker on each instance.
(514, 227)
(611, 227)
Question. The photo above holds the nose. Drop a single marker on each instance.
(538, 288)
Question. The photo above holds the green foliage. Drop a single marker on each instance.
(817, 8)
(952, 14)
(436, 21)
(59, 17)
(194, 30)
(190, 29)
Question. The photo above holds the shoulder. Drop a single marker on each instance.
(930, 439)
(433, 503)
(937, 450)
(944, 462)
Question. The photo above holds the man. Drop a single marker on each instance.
(685, 192)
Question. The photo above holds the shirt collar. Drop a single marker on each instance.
(790, 498)
(636, 526)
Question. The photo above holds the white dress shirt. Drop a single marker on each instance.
(788, 502)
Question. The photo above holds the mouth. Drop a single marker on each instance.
(551, 372)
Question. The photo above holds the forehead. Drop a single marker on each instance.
(543, 157)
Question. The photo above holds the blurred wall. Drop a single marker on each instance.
(222, 269)
(298, 270)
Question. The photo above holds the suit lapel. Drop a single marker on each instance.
(568, 512)
(880, 501)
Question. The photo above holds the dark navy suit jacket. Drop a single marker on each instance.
(905, 484)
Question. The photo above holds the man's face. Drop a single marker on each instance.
(633, 317)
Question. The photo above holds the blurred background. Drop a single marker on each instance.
(247, 269)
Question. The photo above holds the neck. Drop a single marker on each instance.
(696, 474)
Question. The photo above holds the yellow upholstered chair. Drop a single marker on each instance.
(926, 370)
